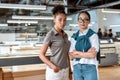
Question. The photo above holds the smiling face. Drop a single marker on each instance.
(83, 21)
(60, 21)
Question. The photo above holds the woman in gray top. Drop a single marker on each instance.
(57, 40)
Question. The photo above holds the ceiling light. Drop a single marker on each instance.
(23, 6)
(104, 18)
(32, 17)
(3, 24)
(36, 17)
(21, 21)
(75, 25)
(90, 25)
(110, 11)
(115, 25)
(92, 22)
(69, 18)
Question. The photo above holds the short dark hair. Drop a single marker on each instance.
(85, 13)
(58, 9)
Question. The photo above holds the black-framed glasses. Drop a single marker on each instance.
(83, 20)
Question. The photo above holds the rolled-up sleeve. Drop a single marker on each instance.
(47, 39)
(95, 41)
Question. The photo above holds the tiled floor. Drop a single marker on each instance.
(109, 73)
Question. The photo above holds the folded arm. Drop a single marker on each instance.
(91, 53)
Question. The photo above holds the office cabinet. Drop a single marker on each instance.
(109, 55)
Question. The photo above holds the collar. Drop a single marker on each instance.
(84, 32)
(56, 33)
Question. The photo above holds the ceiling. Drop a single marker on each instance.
(93, 4)
(71, 5)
